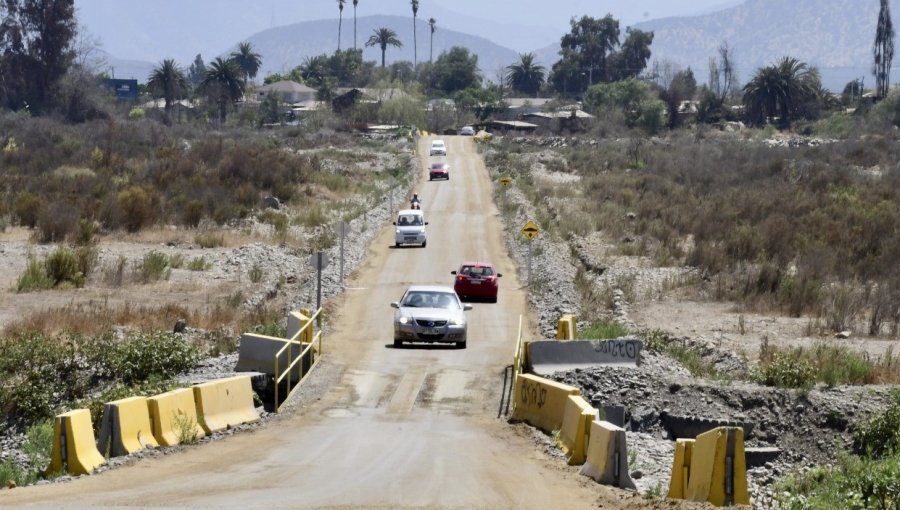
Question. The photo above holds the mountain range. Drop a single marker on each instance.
(834, 35)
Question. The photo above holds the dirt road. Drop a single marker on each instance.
(409, 427)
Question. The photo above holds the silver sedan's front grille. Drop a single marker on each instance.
(425, 323)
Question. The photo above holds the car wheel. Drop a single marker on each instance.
(424, 243)
(494, 299)
(398, 342)
(396, 245)
(460, 345)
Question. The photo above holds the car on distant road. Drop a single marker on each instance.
(410, 228)
(438, 148)
(430, 314)
(439, 171)
(467, 131)
(476, 280)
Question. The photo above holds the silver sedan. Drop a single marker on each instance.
(431, 314)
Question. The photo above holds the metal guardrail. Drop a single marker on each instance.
(313, 348)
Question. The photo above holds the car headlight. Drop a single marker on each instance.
(397, 231)
(404, 320)
(457, 322)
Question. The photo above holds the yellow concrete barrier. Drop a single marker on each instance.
(565, 327)
(681, 469)
(125, 427)
(576, 427)
(74, 449)
(541, 402)
(718, 471)
(173, 415)
(224, 403)
(607, 456)
(296, 321)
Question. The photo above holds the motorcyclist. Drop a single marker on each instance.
(414, 202)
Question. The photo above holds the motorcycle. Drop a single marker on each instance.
(415, 204)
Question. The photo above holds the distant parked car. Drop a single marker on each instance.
(432, 314)
(438, 148)
(439, 171)
(476, 280)
(467, 131)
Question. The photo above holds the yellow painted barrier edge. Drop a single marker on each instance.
(541, 402)
(169, 407)
(605, 441)
(708, 468)
(126, 426)
(218, 409)
(681, 468)
(576, 427)
(81, 456)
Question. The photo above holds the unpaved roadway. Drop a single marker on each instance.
(402, 428)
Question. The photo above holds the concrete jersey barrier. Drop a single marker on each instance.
(576, 428)
(257, 354)
(711, 468)
(546, 357)
(224, 403)
(125, 427)
(174, 414)
(541, 402)
(74, 449)
(607, 456)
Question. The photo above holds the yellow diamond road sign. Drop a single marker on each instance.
(530, 230)
(505, 180)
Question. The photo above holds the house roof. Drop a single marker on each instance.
(286, 86)
(514, 124)
(560, 114)
(374, 94)
(519, 102)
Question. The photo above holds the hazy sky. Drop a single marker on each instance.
(153, 30)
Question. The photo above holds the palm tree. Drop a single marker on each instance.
(431, 22)
(247, 60)
(223, 84)
(415, 9)
(525, 75)
(382, 38)
(314, 70)
(354, 23)
(340, 19)
(779, 90)
(169, 81)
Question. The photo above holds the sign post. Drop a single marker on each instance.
(530, 231)
(343, 231)
(505, 181)
(319, 261)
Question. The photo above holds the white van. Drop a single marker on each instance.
(410, 228)
(438, 148)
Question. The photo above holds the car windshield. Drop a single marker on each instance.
(477, 271)
(410, 220)
(422, 299)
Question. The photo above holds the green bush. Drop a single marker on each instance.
(879, 435)
(787, 370)
(34, 277)
(255, 273)
(63, 266)
(603, 330)
(152, 267)
(199, 264)
(209, 240)
(147, 355)
(853, 483)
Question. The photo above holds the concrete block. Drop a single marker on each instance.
(257, 354)
(224, 403)
(681, 469)
(169, 412)
(125, 427)
(576, 427)
(74, 449)
(566, 328)
(718, 471)
(607, 456)
(541, 402)
(546, 357)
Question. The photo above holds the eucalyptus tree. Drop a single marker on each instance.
(384, 37)
(883, 50)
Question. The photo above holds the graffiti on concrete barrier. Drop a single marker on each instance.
(533, 394)
(627, 349)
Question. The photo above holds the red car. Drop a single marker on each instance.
(476, 280)
(439, 171)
